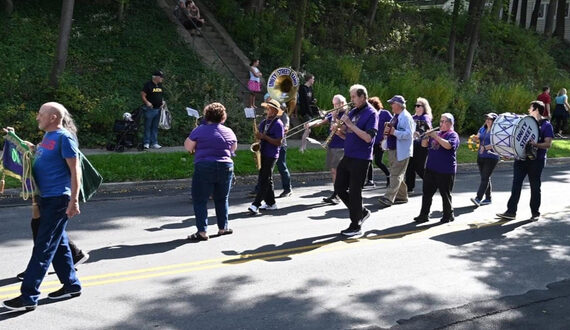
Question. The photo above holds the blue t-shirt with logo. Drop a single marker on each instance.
(485, 140)
(50, 169)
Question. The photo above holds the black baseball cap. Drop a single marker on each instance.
(158, 73)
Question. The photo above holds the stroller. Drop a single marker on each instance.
(126, 132)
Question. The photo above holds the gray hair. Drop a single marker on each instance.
(449, 117)
(358, 87)
(340, 98)
(61, 112)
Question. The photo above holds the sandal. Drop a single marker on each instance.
(197, 237)
(225, 232)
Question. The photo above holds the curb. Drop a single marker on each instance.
(113, 190)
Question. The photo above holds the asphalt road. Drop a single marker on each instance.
(289, 269)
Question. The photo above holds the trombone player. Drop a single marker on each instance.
(360, 128)
(270, 136)
(335, 148)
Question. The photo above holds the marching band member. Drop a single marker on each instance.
(417, 162)
(335, 150)
(360, 129)
(486, 161)
(270, 135)
(399, 142)
(532, 168)
(441, 167)
(384, 117)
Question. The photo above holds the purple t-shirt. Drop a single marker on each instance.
(365, 118)
(213, 143)
(391, 141)
(384, 116)
(441, 160)
(337, 142)
(274, 129)
(485, 140)
(423, 123)
(546, 130)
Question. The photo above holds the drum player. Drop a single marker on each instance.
(531, 167)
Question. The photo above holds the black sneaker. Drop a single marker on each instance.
(447, 219)
(535, 216)
(369, 184)
(20, 276)
(421, 218)
(80, 258)
(507, 215)
(365, 215)
(285, 194)
(400, 201)
(351, 231)
(17, 305)
(334, 200)
(384, 202)
(63, 294)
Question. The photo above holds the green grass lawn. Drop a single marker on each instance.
(179, 165)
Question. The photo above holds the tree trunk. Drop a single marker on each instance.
(299, 34)
(550, 17)
(496, 9)
(453, 35)
(534, 17)
(8, 7)
(372, 12)
(479, 6)
(514, 11)
(62, 42)
(560, 13)
(121, 12)
(524, 8)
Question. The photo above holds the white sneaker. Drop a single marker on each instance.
(268, 207)
(156, 146)
(253, 209)
(146, 146)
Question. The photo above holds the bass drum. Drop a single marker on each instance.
(510, 134)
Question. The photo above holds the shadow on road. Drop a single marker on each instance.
(128, 251)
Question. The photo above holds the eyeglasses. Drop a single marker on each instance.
(419, 105)
(442, 121)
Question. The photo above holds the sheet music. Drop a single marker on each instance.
(249, 113)
(192, 112)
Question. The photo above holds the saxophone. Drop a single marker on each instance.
(339, 124)
(255, 147)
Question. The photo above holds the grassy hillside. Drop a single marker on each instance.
(108, 63)
(403, 52)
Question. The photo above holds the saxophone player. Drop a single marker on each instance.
(335, 147)
(270, 134)
(359, 131)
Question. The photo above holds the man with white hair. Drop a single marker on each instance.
(441, 167)
(399, 132)
(359, 130)
(57, 173)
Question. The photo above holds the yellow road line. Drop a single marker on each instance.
(152, 272)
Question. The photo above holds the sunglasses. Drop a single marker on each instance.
(419, 105)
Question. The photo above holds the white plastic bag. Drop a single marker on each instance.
(165, 120)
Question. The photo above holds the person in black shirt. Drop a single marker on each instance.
(153, 100)
(307, 103)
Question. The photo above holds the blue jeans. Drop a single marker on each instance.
(532, 168)
(211, 178)
(283, 170)
(151, 117)
(50, 246)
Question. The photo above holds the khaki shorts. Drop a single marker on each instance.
(334, 156)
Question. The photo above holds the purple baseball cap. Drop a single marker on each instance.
(398, 99)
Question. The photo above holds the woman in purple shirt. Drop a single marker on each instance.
(384, 116)
(213, 145)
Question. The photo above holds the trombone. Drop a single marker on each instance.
(301, 127)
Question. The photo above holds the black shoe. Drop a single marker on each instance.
(447, 219)
(16, 304)
(80, 258)
(507, 216)
(365, 215)
(63, 294)
(535, 216)
(421, 218)
(351, 231)
(400, 201)
(285, 194)
(384, 202)
(369, 184)
(387, 181)
(20, 276)
(331, 200)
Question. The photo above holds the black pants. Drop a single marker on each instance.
(559, 122)
(378, 154)
(350, 176)
(35, 223)
(486, 167)
(265, 180)
(432, 182)
(416, 165)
